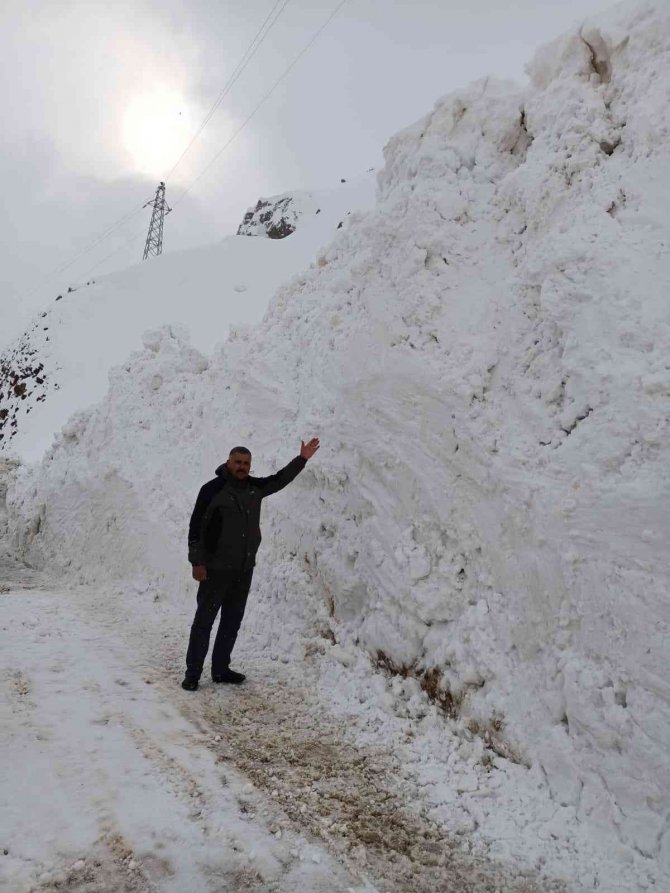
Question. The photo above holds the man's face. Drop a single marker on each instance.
(239, 465)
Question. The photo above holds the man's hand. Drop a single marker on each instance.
(308, 449)
(199, 572)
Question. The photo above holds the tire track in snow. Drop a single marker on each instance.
(343, 795)
(319, 784)
(111, 868)
(111, 745)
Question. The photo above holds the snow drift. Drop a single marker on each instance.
(485, 360)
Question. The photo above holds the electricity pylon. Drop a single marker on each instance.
(154, 243)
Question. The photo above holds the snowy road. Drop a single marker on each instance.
(122, 782)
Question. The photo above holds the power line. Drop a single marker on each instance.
(118, 248)
(263, 100)
(100, 238)
(258, 39)
(239, 68)
(237, 132)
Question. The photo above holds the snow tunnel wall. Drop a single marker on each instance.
(485, 359)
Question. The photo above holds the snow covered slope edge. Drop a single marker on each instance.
(60, 365)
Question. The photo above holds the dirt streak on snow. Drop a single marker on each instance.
(151, 789)
(343, 794)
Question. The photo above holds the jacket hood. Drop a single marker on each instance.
(223, 472)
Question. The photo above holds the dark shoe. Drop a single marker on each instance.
(189, 684)
(229, 676)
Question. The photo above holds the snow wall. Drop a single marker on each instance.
(486, 359)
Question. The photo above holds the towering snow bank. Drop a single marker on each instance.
(485, 359)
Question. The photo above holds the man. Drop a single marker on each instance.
(223, 538)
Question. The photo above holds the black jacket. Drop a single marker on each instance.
(224, 533)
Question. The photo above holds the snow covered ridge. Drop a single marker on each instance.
(278, 217)
(61, 363)
(276, 220)
(485, 358)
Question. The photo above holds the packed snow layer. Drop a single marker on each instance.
(485, 360)
(61, 363)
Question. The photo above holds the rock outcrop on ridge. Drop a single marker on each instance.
(23, 378)
(280, 216)
(275, 219)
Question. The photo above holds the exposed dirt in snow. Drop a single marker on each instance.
(149, 772)
(111, 867)
(342, 795)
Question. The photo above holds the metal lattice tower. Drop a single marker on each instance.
(154, 243)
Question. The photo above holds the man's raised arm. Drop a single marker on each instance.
(284, 476)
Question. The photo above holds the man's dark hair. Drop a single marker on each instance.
(239, 450)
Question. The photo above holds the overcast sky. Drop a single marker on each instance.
(99, 99)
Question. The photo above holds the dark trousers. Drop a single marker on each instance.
(228, 593)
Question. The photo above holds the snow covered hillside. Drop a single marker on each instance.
(485, 357)
(61, 364)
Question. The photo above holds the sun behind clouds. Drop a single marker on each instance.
(156, 127)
